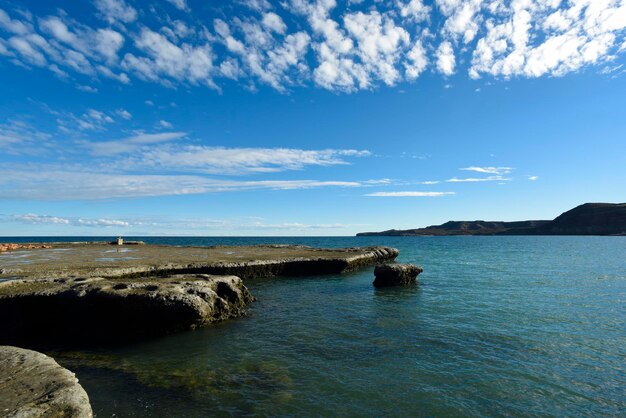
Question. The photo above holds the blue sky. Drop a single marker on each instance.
(188, 117)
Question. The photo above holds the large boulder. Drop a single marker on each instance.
(34, 385)
(71, 312)
(395, 274)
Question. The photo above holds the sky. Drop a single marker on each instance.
(304, 117)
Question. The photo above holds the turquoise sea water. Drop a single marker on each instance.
(498, 326)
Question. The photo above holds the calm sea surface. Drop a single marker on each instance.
(498, 326)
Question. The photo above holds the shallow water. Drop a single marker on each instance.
(498, 326)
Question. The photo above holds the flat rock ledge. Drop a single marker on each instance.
(34, 385)
(395, 274)
(85, 311)
(246, 262)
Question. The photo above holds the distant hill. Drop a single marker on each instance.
(587, 219)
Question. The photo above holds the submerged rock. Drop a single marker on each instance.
(395, 274)
(34, 385)
(71, 312)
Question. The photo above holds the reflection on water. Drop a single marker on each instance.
(21, 257)
(120, 250)
(497, 326)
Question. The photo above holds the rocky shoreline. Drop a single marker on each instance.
(65, 295)
(35, 385)
(97, 311)
(246, 262)
(61, 296)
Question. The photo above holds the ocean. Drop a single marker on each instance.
(497, 326)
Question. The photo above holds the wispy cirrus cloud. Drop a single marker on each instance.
(31, 218)
(495, 174)
(59, 184)
(18, 138)
(164, 225)
(238, 161)
(489, 170)
(129, 144)
(477, 179)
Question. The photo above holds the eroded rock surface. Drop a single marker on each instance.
(396, 274)
(34, 385)
(251, 261)
(70, 312)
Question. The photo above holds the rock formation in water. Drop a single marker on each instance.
(73, 312)
(395, 274)
(587, 219)
(34, 385)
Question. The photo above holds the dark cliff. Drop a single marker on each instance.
(586, 219)
(589, 219)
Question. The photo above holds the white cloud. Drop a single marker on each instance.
(342, 47)
(489, 170)
(124, 114)
(238, 161)
(273, 22)
(416, 61)
(533, 178)
(87, 89)
(274, 61)
(101, 222)
(410, 194)
(165, 124)
(413, 9)
(16, 27)
(187, 63)
(477, 180)
(116, 11)
(258, 5)
(378, 42)
(536, 38)
(130, 144)
(31, 218)
(180, 4)
(60, 184)
(40, 219)
(462, 18)
(18, 137)
(446, 60)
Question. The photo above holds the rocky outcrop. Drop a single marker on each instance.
(395, 274)
(354, 259)
(34, 385)
(251, 261)
(4, 247)
(84, 311)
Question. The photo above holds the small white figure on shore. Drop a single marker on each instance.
(120, 241)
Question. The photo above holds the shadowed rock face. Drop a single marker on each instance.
(395, 274)
(34, 385)
(75, 312)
